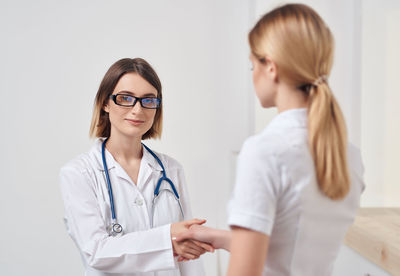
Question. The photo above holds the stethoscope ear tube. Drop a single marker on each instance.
(164, 178)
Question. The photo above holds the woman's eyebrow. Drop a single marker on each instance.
(133, 94)
(149, 95)
(125, 92)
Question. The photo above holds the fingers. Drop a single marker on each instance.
(186, 245)
(191, 235)
(207, 247)
(188, 249)
(184, 236)
(188, 223)
(189, 256)
(195, 251)
(191, 248)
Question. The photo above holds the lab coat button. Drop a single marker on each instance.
(139, 201)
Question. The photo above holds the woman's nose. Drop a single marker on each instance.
(137, 108)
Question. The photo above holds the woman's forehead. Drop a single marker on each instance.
(136, 85)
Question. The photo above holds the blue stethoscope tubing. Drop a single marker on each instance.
(115, 228)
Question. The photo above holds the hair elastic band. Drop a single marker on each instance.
(320, 80)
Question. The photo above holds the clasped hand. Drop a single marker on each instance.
(187, 249)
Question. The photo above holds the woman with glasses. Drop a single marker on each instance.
(123, 202)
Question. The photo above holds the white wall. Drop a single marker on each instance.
(53, 55)
(380, 100)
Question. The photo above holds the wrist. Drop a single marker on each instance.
(223, 239)
(227, 240)
(173, 230)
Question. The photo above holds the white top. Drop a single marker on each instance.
(276, 193)
(142, 250)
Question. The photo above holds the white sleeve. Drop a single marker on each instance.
(189, 268)
(255, 196)
(140, 251)
(356, 166)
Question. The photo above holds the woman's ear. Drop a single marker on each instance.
(106, 108)
(270, 69)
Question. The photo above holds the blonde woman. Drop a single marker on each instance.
(299, 182)
(123, 202)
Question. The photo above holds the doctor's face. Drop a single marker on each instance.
(127, 120)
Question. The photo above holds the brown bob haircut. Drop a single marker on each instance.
(100, 125)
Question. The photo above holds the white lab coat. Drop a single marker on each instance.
(142, 250)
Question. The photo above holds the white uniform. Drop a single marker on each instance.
(142, 250)
(276, 193)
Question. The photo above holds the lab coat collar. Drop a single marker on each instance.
(291, 118)
(151, 161)
(147, 158)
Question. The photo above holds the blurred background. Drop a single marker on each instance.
(54, 54)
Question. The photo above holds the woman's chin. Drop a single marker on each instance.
(267, 104)
(134, 133)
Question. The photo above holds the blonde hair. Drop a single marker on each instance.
(296, 38)
(100, 125)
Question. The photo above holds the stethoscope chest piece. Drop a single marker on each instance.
(115, 230)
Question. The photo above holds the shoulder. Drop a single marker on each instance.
(78, 177)
(267, 145)
(80, 163)
(88, 162)
(84, 165)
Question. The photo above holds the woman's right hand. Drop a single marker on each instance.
(188, 249)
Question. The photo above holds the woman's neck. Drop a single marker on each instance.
(124, 148)
(289, 97)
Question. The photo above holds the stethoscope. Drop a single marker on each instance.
(115, 229)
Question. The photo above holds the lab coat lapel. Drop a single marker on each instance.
(96, 151)
(148, 168)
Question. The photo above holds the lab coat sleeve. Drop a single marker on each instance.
(140, 251)
(195, 267)
(255, 196)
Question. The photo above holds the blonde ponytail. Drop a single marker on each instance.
(327, 137)
(296, 38)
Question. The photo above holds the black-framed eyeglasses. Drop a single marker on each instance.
(130, 100)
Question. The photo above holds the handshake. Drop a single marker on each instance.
(190, 239)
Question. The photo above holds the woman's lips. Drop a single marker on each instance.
(135, 122)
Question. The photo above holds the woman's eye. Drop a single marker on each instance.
(126, 98)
